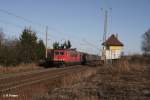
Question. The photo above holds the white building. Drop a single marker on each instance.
(112, 48)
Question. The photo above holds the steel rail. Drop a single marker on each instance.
(28, 79)
(42, 78)
(27, 75)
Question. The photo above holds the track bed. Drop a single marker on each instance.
(25, 84)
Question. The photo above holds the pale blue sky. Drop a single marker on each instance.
(79, 21)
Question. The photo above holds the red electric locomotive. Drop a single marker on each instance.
(65, 56)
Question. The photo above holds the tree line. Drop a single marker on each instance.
(26, 49)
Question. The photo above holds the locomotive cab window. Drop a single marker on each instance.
(61, 53)
(49, 54)
(56, 53)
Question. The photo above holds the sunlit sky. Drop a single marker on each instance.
(80, 21)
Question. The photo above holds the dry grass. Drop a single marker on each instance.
(64, 82)
(19, 68)
(120, 81)
(45, 90)
(77, 77)
(123, 67)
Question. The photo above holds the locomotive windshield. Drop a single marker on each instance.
(56, 53)
(59, 53)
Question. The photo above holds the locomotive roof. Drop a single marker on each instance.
(62, 49)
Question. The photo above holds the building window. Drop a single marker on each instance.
(107, 47)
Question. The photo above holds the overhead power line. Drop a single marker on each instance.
(8, 23)
(33, 22)
(20, 17)
(30, 21)
(91, 44)
(16, 25)
(39, 24)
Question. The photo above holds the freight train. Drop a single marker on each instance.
(69, 57)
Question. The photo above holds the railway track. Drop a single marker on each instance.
(12, 84)
(22, 77)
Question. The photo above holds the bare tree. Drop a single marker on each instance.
(146, 43)
(1, 36)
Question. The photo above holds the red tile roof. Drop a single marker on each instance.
(112, 41)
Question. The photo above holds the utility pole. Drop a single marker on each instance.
(105, 26)
(46, 42)
(105, 35)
